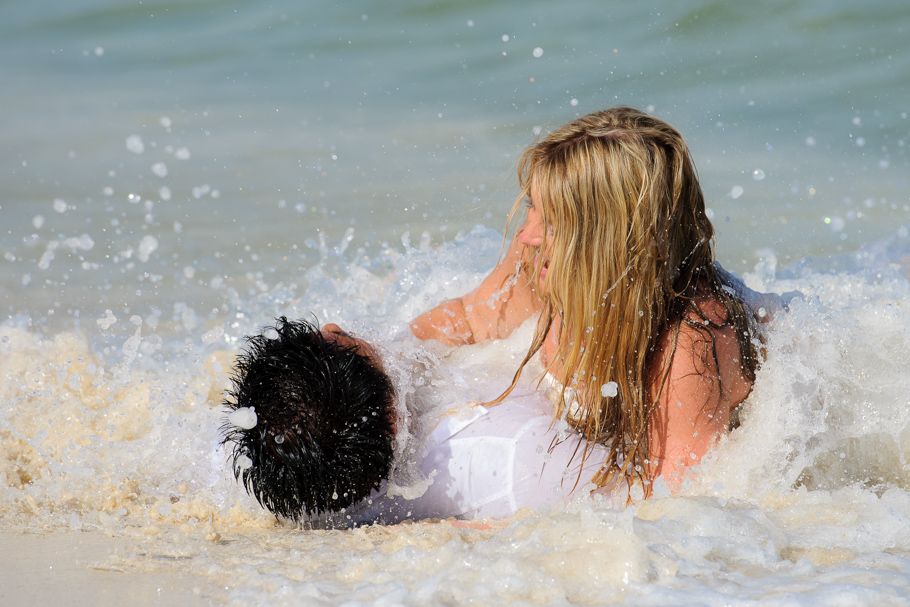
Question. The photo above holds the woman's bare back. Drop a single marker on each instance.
(705, 381)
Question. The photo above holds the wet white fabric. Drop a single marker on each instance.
(493, 462)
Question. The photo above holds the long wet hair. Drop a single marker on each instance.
(325, 422)
(630, 253)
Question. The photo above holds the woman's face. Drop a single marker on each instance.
(532, 232)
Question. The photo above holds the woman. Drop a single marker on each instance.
(650, 345)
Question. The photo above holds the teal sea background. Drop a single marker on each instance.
(175, 174)
(309, 118)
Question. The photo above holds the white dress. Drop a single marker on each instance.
(493, 462)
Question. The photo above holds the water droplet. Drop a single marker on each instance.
(609, 389)
(134, 144)
(147, 246)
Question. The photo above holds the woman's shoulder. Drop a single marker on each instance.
(722, 350)
(707, 307)
(705, 345)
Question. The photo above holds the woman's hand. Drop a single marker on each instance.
(334, 333)
(502, 302)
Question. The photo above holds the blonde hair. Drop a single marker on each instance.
(629, 247)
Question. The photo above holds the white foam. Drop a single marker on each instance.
(609, 389)
(118, 432)
(212, 335)
(107, 320)
(244, 417)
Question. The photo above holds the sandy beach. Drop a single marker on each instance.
(76, 569)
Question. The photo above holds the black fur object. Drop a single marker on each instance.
(325, 422)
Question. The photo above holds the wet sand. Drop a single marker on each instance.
(74, 569)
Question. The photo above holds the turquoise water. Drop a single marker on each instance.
(307, 119)
(176, 174)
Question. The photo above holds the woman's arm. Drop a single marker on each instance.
(502, 302)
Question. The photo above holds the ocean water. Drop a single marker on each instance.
(178, 174)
